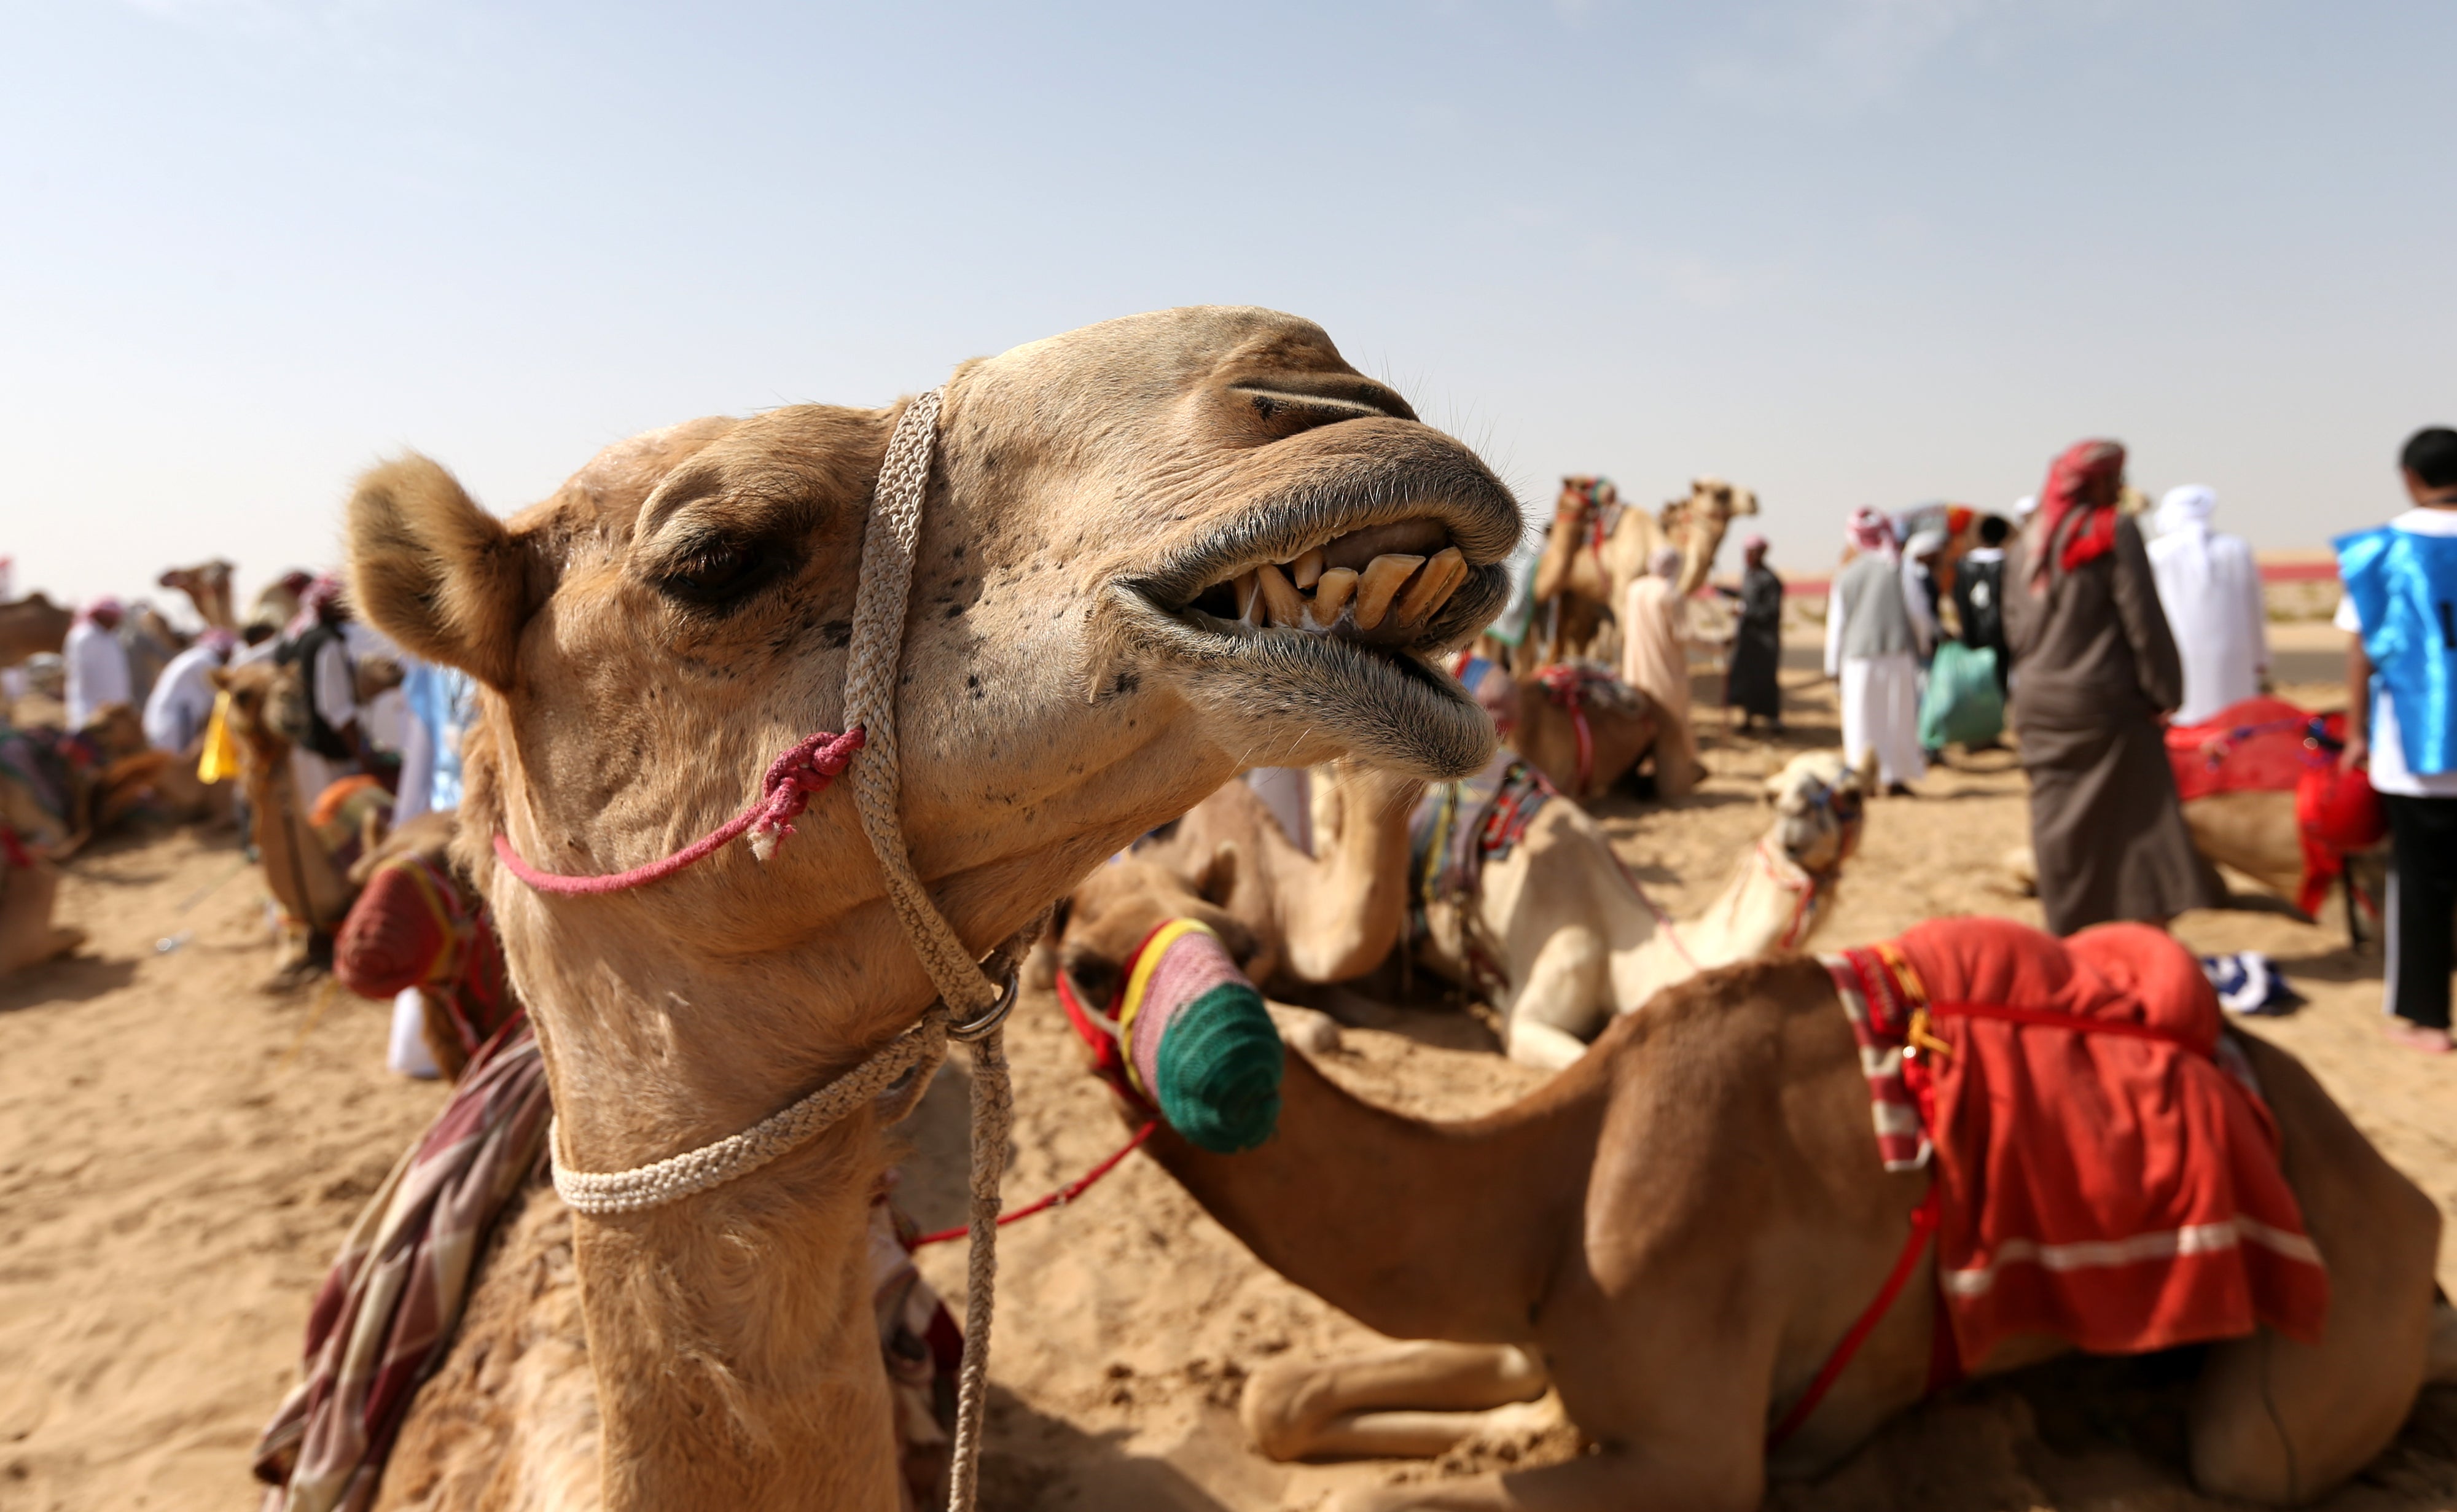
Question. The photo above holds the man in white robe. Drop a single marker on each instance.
(98, 664)
(182, 701)
(2210, 589)
(1872, 647)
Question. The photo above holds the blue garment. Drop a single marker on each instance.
(2404, 586)
(440, 699)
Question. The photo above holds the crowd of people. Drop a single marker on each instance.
(367, 712)
(2098, 640)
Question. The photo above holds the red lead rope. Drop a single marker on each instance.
(1056, 1200)
(792, 779)
(1923, 1222)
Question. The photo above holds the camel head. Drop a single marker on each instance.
(1100, 924)
(1819, 803)
(1108, 619)
(208, 586)
(1582, 492)
(262, 696)
(1697, 524)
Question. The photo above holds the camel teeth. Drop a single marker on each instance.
(1379, 585)
(1282, 603)
(1332, 592)
(1247, 595)
(1433, 589)
(1307, 571)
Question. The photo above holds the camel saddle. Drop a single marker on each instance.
(2104, 1168)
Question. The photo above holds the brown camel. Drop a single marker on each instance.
(1676, 1232)
(1600, 546)
(2257, 833)
(29, 887)
(1619, 729)
(1078, 670)
(208, 586)
(1295, 920)
(31, 626)
(304, 870)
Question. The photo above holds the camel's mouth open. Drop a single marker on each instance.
(1330, 622)
(1382, 585)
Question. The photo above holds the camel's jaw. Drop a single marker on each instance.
(1309, 629)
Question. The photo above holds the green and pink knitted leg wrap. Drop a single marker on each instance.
(1198, 1042)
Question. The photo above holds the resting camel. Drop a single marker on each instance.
(1077, 671)
(2255, 832)
(1676, 1232)
(305, 864)
(29, 886)
(208, 586)
(1563, 939)
(31, 626)
(1585, 728)
(1294, 919)
(1598, 546)
(1571, 941)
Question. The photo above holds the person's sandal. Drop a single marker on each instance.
(2420, 1038)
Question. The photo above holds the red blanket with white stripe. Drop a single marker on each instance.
(2109, 1176)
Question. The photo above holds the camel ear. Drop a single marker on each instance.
(1865, 775)
(1219, 876)
(435, 572)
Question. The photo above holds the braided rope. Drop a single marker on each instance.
(870, 702)
(599, 1193)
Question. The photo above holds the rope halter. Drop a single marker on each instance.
(896, 1075)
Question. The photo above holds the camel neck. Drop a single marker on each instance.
(297, 866)
(1419, 1230)
(743, 1310)
(1342, 913)
(1770, 904)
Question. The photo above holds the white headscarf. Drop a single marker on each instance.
(2186, 509)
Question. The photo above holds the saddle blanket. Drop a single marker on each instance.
(2256, 746)
(2108, 1172)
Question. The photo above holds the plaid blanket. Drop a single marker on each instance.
(388, 1311)
(389, 1308)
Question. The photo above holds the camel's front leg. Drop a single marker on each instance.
(1408, 1402)
(1559, 1003)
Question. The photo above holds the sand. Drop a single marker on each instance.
(174, 1178)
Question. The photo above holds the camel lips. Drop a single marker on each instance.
(1379, 584)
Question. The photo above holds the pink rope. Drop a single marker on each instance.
(792, 778)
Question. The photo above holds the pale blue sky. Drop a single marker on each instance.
(1843, 251)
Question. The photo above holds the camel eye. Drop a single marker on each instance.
(716, 573)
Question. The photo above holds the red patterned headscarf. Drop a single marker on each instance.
(2076, 518)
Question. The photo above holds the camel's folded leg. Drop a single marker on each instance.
(1532, 1043)
(1407, 1401)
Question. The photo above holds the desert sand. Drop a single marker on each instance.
(180, 1151)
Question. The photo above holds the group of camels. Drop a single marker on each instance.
(1672, 1233)
(107, 771)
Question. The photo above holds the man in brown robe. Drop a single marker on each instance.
(2095, 675)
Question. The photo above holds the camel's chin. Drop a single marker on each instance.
(1283, 697)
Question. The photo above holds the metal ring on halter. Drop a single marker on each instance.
(967, 1030)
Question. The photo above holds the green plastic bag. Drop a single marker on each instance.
(1963, 705)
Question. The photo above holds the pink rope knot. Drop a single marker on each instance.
(792, 779)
